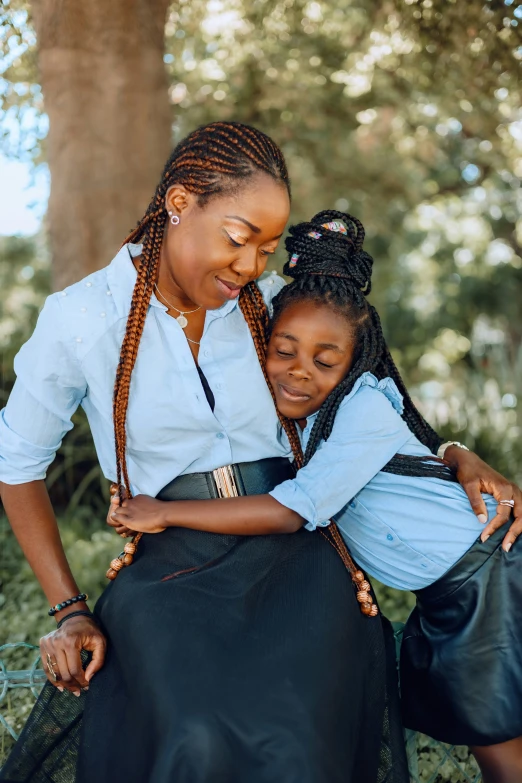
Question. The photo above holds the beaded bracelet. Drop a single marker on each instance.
(70, 601)
(83, 613)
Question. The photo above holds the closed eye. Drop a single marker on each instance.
(232, 241)
(329, 366)
(282, 353)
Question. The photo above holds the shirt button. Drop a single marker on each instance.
(270, 281)
(389, 537)
(352, 504)
(78, 339)
(88, 285)
(109, 293)
(206, 352)
(220, 435)
(102, 315)
(83, 309)
(64, 293)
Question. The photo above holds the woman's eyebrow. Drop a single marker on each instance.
(251, 226)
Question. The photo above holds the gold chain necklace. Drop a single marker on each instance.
(182, 321)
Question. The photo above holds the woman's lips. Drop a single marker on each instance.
(229, 290)
(293, 395)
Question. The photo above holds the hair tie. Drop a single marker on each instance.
(314, 234)
(293, 260)
(337, 226)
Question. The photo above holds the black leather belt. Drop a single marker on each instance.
(243, 478)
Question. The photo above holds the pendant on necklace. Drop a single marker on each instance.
(182, 321)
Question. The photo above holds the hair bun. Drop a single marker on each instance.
(331, 244)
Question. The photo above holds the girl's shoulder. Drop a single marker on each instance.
(372, 393)
(270, 283)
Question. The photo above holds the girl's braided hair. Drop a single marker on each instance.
(329, 265)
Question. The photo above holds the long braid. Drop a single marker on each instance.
(211, 161)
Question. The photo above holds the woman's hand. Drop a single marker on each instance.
(64, 646)
(139, 514)
(476, 476)
(121, 530)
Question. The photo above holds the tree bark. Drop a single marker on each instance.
(105, 92)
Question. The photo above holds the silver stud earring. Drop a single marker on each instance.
(174, 219)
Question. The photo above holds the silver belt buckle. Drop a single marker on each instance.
(225, 482)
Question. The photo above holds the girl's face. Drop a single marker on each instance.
(310, 352)
(217, 249)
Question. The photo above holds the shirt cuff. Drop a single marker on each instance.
(20, 460)
(290, 494)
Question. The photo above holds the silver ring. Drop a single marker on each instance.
(510, 503)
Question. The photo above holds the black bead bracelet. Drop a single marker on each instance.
(81, 613)
(70, 601)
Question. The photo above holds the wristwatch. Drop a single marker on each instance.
(442, 449)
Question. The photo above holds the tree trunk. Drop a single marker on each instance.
(105, 91)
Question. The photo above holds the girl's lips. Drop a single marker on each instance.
(229, 290)
(293, 395)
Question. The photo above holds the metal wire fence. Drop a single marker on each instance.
(429, 761)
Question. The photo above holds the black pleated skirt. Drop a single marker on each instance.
(461, 656)
(230, 660)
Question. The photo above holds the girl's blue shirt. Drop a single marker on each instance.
(405, 531)
(71, 360)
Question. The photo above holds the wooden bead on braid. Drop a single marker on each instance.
(214, 159)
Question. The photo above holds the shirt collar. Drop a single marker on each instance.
(121, 279)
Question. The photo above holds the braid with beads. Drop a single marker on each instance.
(210, 162)
(329, 265)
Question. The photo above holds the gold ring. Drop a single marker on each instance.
(510, 503)
(50, 668)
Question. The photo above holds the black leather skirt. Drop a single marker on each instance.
(461, 656)
(231, 659)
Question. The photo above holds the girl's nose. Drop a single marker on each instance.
(299, 372)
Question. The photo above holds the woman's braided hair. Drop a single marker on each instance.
(211, 161)
(330, 266)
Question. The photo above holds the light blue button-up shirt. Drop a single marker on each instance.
(405, 531)
(71, 360)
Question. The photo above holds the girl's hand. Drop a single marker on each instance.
(139, 514)
(476, 476)
(121, 530)
(64, 645)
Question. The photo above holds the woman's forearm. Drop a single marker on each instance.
(29, 510)
(252, 515)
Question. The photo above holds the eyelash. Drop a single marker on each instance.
(238, 244)
(290, 355)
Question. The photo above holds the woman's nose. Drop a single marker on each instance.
(248, 264)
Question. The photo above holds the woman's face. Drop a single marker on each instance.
(310, 351)
(217, 249)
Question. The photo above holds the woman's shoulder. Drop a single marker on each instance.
(371, 393)
(80, 314)
(270, 283)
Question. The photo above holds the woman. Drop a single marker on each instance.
(215, 668)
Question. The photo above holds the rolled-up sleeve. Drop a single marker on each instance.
(49, 387)
(367, 433)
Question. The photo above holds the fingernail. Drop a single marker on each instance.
(484, 539)
(482, 518)
(77, 693)
(508, 547)
(60, 688)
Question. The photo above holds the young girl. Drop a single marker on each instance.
(369, 466)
